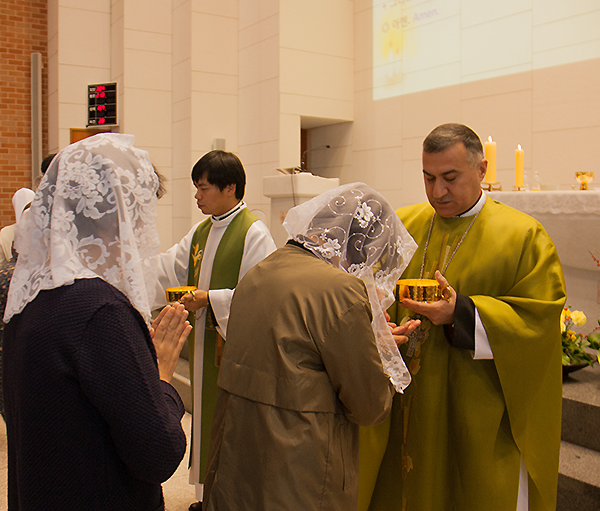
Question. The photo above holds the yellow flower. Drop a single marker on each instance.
(578, 318)
(563, 318)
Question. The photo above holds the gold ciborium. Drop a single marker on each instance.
(421, 290)
(585, 178)
(174, 294)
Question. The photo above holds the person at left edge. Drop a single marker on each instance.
(20, 200)
(92, 422)
(214, 256)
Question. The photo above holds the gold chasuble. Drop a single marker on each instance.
(225, 274)
(457, 434)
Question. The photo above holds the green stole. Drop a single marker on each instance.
(224, 275)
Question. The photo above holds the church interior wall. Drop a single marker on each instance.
(551, 111)
(142, 65)
(179, 218)
(317, 59)
(79, 60)
(214, 94)
(255, 73)
(258, 89)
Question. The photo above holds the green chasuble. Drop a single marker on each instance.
(224, 275)
(455, 438)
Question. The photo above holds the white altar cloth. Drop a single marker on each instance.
(572, 219)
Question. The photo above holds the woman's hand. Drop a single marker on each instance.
(400, 333)
(169, 332)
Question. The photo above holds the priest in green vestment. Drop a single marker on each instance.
(214, 256)
(479, 427)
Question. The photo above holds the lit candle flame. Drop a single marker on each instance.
(519, 147)
(490, 138)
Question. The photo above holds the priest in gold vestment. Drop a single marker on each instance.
(479, 427)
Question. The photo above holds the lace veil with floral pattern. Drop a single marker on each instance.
(354, 228)
(93, 215)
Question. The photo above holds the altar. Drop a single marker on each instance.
(572, 219)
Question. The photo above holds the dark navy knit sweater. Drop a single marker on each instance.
(90, 426)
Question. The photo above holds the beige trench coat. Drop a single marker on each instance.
(300, 372)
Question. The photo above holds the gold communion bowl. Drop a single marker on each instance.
(174, 294)
(585, 178)
(420, 290)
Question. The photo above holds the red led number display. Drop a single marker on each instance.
(102, 104)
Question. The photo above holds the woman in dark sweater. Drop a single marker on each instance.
(92, 422)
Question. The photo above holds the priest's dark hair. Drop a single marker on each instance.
(446, 135)
(221, 169)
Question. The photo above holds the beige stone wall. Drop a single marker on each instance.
(255, 72)
(551, 108)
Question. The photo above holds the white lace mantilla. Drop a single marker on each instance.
(355, 229)
(93, 215)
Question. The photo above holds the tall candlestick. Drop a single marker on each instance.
(519, 154)
(490, 156)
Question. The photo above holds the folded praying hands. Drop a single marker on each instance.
(169, 332)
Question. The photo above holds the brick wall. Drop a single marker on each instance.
(23, 31)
